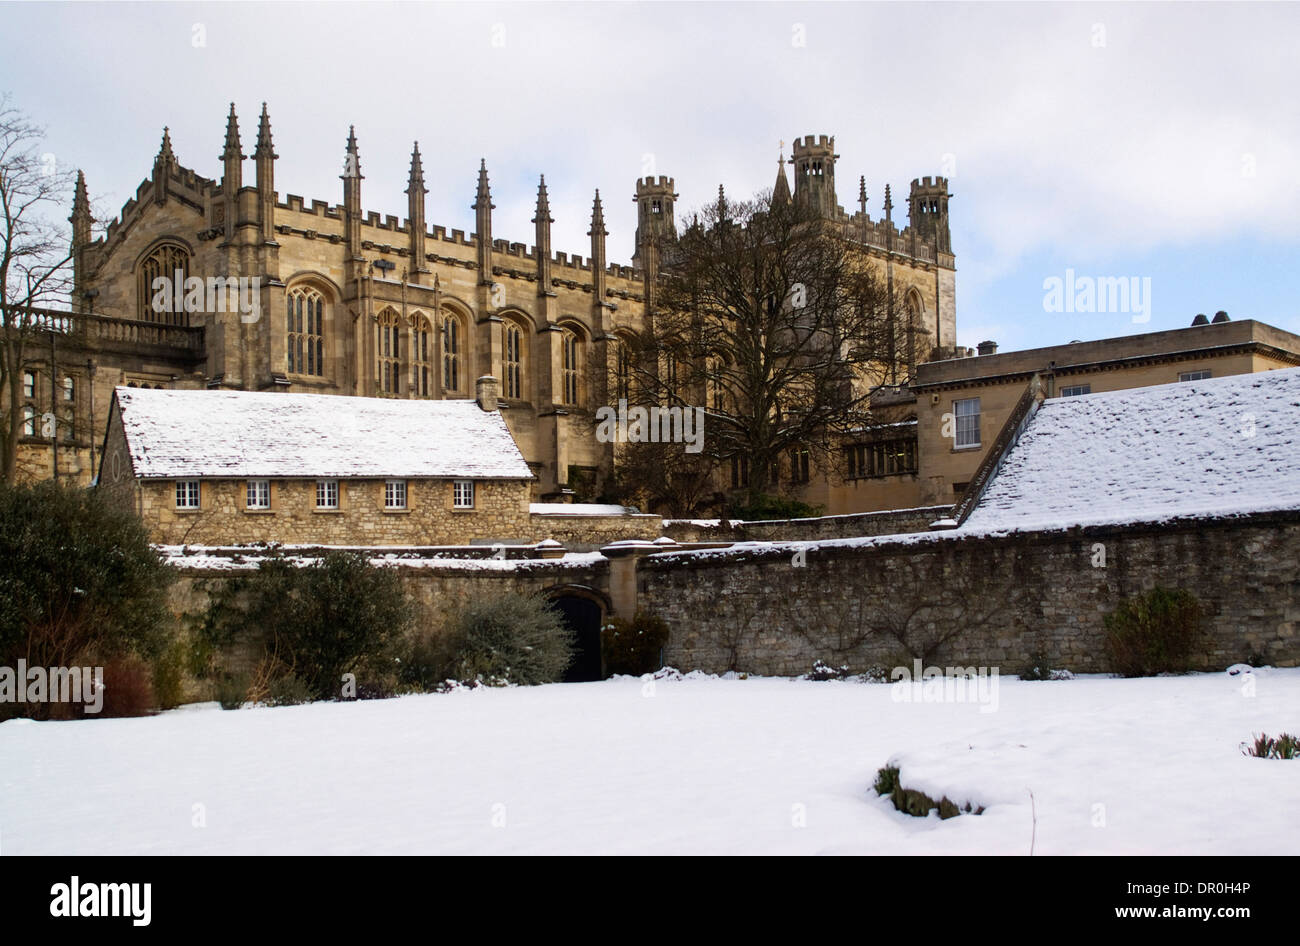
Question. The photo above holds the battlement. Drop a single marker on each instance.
(294, 203)
(655, 185)
(821, 144)
(924, 184)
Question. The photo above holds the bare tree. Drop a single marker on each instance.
(777, 324)
(34, 255)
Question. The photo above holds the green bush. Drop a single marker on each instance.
(336, 615)
(169, 675)
(288, 690)
(232, 690)
(1153, 633)
(76, 573)
(752, 507)
(509, 638)
(79, 582)
(633, 647)
(426, 661)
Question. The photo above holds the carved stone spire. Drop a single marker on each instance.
(598, 234)
(483, 207)
(542, 247)
(415, 192)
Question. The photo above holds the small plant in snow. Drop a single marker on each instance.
(822, 671)
(1284, 746)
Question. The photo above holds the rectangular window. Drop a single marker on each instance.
(259, 494)
(462, 494)
(883, 458)
(1199, 375)
(967, 414)
(395, 494)
(29, 422)
(800, 466)
(327, 494)
(1075, 390)
(69, 389)
(187, 494)
(29, 384)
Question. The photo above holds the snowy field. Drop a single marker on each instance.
(701, 765)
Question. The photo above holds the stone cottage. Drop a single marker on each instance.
(224, 467)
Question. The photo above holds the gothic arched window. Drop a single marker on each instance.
(570, 357)
(512, 361)
(388, 347)
(622, 371)
(421, 345)
(158, 300)
(452, 342)
(305, 327)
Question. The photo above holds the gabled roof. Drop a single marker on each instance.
(173, 434)
(1222, 446)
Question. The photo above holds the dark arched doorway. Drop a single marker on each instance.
(581, 615)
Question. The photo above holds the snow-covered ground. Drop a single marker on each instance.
(700, 765)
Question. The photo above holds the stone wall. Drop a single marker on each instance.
(586, 533)
(970, 600)
(437, 586)
(893, 522)
(500, 513)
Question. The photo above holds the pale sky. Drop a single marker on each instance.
(1149, 140)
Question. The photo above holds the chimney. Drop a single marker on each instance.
(1200, 320)
(485, 392)
(987, 348)
(1220, 316)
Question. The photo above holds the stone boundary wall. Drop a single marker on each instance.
(852, 525)
(587, 533)
(976, 600)
(437, 587)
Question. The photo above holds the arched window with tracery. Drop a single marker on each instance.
(512, 361)
(421, 352)
(388, 347)
(571, 354)
(305, 331)
(715, 371)
(157, 300)
(914, 341)
(452, 343)
(622, 370)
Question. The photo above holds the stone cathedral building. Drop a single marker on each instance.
(338, 299)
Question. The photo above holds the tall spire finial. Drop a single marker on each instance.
(232, 151)
(597, 218)
(484, 194)
(352, 157)
(543, 213)
(889, 205)
(415, 184)
(264, 145)
(165, 151)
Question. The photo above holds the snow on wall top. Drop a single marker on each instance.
(254, 434)
(1220, 446)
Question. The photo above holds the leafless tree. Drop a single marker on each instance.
(34, 255)
(778, 325)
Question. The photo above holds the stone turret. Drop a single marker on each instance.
(814, 174)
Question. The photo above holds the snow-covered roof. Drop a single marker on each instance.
(267, 434)
(1221, 446)
(579, 509)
